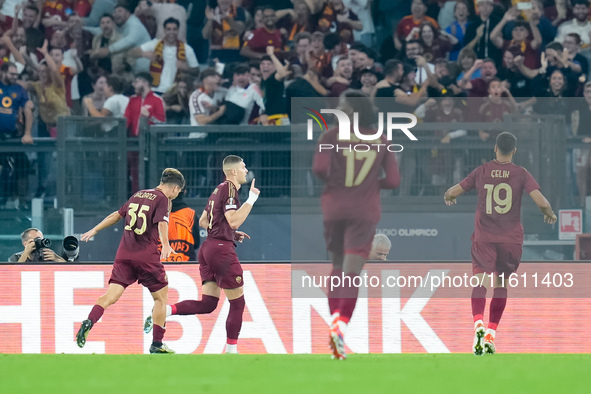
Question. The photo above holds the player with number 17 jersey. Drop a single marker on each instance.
(352, 175)
(142, 213)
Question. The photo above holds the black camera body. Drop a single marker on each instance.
(41, 243)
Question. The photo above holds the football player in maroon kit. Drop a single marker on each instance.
(219, 266)
(498, 234)
(138, 259)
(351, 205)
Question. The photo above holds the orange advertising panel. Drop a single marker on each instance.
(42, 307)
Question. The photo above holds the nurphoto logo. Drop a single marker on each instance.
(345, 130)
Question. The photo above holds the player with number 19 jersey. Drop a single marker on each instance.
(142, 213)
(500, 188)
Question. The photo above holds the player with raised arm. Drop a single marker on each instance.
(351, 204)
(219, 266)
(146, 220)
(498, 234)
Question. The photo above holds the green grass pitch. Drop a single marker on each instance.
(373, 373)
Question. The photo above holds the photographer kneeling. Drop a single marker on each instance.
(36, 249)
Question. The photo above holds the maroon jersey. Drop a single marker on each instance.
(261, 38)
(223, 199)
(142, 213)
(500, 187)
(353, 178)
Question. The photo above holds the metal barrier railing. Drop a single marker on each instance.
(90, 167)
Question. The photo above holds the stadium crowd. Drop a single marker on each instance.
(241, 61)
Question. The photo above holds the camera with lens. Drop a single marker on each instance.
(41, 243)
(71, 250)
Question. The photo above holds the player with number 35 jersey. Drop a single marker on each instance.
(138, 259)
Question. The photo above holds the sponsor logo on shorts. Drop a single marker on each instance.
(238, 279)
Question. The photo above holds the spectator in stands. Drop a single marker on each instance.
(241, 98)
(99, 8)
(336, 17)
(224, 27)
(520, 40)
(393, 70)
(161, 10)
(550, 100)
(369, 79)
(115, 103)
(144, 104)
(55, 15)
(273, 88)
(547, 31)
(257, 42)
(176, 101)
(79, 43)
(204, 106)
(410, 22)
(307, 86)
(365, 60)
(414, 57)
(31, 254)
(66, 72)
(17, 109)
(478, 87)
(51, 91)
(302, 42)
(580, 24)
(133, 34)
(553, 58)
(436, 44)
(478, 32)
(294, 21)
(458, 28)
(31, 16)
(169, 57)
(254, 74)
(51, 98)
(466, 61)
(577, 62)
(97, 98)
(342, 77)
(495, 107)
(16, 56)
(362, 8)
(108, 36)
(517, 83)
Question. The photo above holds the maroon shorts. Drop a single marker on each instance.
(219, 263)
(349, 236)
(495, 257)
(148, 274)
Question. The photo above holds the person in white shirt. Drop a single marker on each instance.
(133, 33)
(169, 56)
(203, 105)
(115, 104)
(579, 24)
(243, 95)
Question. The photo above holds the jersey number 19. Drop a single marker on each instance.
(493, 193)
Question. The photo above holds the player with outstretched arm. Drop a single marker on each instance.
(138, 259)
(498, 234)
(218, 263)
